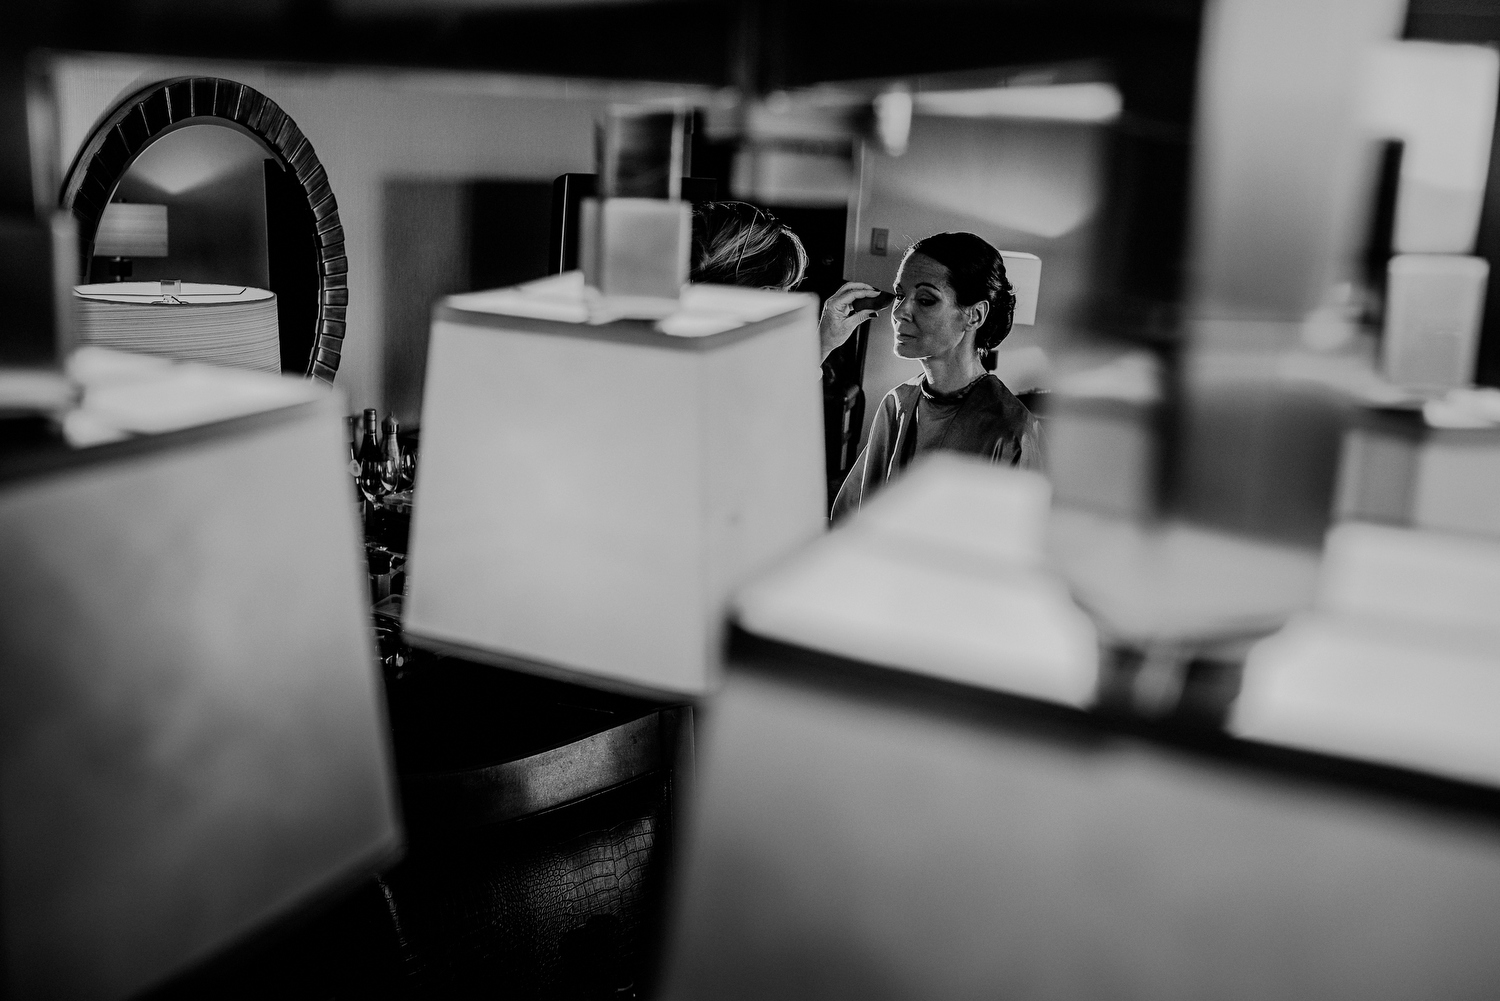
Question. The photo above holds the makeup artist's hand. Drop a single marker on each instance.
(840, 317)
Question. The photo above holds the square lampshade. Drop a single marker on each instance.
(192, 732)
(130, 230)
(590, 493)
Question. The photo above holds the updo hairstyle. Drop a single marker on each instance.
(736, 243)
(977, 272)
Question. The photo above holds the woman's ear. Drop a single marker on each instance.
(978, 313)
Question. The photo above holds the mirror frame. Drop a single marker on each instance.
(144, 116)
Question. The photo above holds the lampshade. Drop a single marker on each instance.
(591, 492)
(219, 324)
(194, 735)
(130, 230)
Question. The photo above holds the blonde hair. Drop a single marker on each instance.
(736, 243)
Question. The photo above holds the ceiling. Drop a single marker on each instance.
(762, 45)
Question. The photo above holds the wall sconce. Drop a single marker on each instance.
(128, 230)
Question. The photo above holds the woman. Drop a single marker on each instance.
(736, 243)
(954, 305)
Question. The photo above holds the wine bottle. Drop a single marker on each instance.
(390, 468)
(370, 461)
(351, 425)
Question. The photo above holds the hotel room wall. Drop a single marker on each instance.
(444, 236)
(368, 126)
(1030, 186)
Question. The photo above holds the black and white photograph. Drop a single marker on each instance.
(750, 500)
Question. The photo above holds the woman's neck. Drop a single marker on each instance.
(952, 373)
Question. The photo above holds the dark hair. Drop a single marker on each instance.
(736, 243)
(977, 272)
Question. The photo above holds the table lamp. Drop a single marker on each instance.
(590, 492)
(193, 746)
(128, 230)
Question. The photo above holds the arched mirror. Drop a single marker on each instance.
(223, 190)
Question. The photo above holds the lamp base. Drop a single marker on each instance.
(119, 269)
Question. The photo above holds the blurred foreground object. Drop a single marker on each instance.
(1281, 192)
(941, 575)
(1103, 428)
(192, 736)
(964, 574)
(1438, 99)
(1437, 467)
(866, 833)
(38, 258)
(793, 150)
(1398, 663)
(1434, 305)
(635, 237)
(591, 492)
(900, 797)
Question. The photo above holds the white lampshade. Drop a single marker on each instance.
(1024, 271)
(590, 493)
(195, 745)
(130, 230)
(230, 325)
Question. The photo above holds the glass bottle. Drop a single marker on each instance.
(352, 425)
(370, 463)
(390, 469)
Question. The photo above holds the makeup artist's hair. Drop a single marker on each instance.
(976, 271)
(736, 243)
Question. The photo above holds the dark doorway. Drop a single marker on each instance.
(292, 265)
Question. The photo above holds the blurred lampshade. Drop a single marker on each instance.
(197, 605)
(798, 177)
(130, 230)
(1434, 310)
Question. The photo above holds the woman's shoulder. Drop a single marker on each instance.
(1003, 428)
(903, 393)
(995, 395)
(994, 413)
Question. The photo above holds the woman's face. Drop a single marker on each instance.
(927, 319)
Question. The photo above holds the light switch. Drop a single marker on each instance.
(878, 240)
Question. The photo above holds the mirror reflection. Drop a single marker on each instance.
(212, 181)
